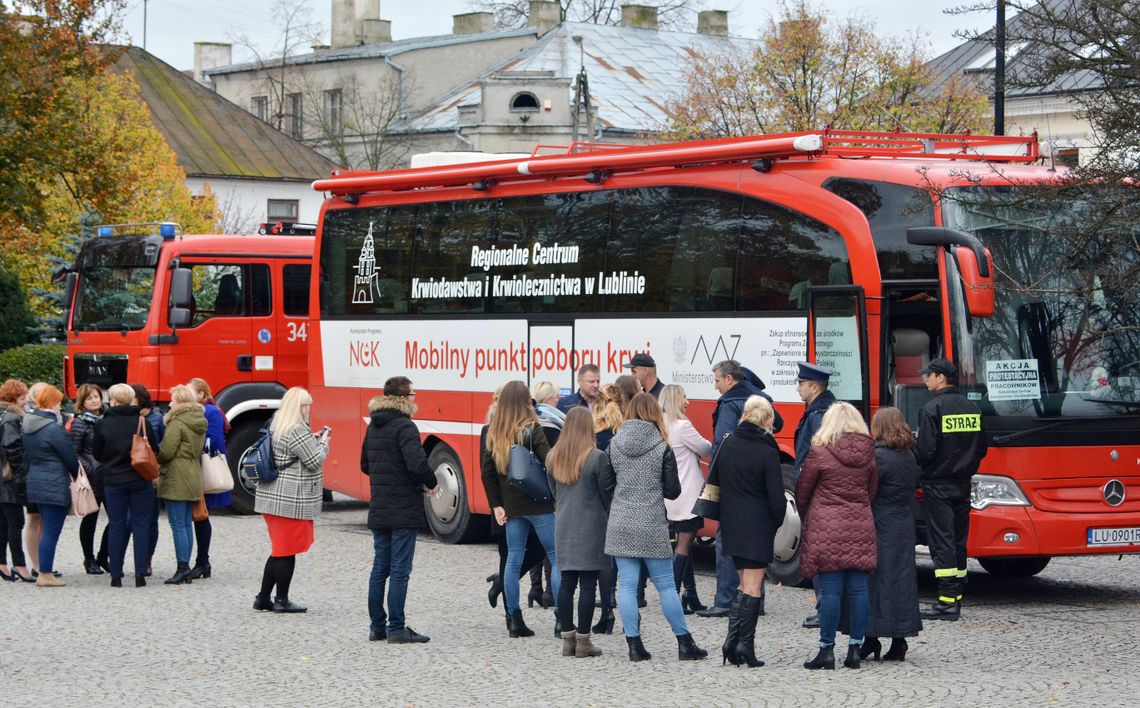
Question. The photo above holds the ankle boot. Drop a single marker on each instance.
(746, 632)
(605, 623)
(140, 581)
(281, 603)
(637, 649)
(871, 645)
(825, 659)
(116, 582)
(584, 647)
(852, 660)
(689, 599)
(181, 575)
(534, 595)
(728, 648)
(897, 652)
(495, 590)
(200, 570)
(262, 603)
(687, 649)
(516, 627)
(569, 642)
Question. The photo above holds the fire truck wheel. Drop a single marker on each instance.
(242, 436)
(448, 510)
(1014, 567)
(785, 565)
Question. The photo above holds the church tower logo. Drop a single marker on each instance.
(367, 275)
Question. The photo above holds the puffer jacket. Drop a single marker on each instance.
(12, 446)
(180, 455)
(834, 496)
(396, 465)
(51, 460)
(82, 435)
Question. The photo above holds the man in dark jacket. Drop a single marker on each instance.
(735, 385)
(400, 476)
(949, 448)
(589, 381)
(644, 369)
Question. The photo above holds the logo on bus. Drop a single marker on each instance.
(367, 273)
(364, 354)
(721, 349)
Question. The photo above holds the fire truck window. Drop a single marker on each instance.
(782, 254)
(218, 291)
(260, 294)
(296, 289)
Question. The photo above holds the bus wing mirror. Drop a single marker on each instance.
(179, 317)
(181, 282)
(938, 236)
(69, 296)
(978, 290)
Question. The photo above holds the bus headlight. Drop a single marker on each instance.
(993, 490)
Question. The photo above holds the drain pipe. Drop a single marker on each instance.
(464, 139)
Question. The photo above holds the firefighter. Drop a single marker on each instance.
(949, 448)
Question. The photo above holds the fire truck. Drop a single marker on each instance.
(149, 304)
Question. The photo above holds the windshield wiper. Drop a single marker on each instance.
(1010, 437)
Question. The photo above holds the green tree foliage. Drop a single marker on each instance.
(34, 362)
(16, 319)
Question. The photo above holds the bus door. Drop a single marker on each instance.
(551, 353)
(912, 334)
(837, 339)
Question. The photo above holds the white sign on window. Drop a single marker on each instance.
(837, 349)
(1013, 380)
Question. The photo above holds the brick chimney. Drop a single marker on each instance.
(641, 16)
(472, 23)
(544, 15)
(210, 55)
(714, 22)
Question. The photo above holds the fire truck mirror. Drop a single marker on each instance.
(179, 317)
(181, 282)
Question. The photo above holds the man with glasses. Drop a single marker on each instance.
(811, 385)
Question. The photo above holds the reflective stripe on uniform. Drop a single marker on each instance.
(947, 600)
(945, 572)
(960, 573)
(962, 423)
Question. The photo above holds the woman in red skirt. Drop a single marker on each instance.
(291, 502)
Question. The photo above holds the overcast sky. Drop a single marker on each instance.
(174, 25)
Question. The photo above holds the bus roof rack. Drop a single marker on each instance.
(590, 159)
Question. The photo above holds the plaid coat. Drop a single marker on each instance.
(296, 493)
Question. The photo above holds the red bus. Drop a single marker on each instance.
(847, 248)
(147, 304)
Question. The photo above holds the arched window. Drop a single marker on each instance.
(524, 102)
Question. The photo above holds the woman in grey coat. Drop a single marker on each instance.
(645, 471)
(583, 485)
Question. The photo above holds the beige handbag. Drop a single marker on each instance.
(216, 477)
(83, 500)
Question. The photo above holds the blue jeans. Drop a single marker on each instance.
(181, 517)
(833, 587)
(394, 549)
(129, 507)
(517, 529)
(661, 572)
(726, 578)
(53, 517)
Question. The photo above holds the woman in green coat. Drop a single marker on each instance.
(180, 474)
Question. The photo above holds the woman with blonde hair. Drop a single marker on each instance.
(583, 485)
(752, 505)
(180, 473)
(608, 414)
(216, 429)
(834, 495)
(290, 503)
(515, 423)
(13, 497)
(637, 532)
(689, 446)
(52, 465)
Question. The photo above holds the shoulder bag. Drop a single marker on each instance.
(83, 500)
(526, 473)
(216, 477)
(708, 503)
(142, 456)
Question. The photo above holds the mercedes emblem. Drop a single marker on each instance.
(1114, 493)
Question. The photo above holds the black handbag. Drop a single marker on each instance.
(526, 473)
(708, 503)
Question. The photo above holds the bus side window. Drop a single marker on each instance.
(704, 260)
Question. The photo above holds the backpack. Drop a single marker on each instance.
(257, 463)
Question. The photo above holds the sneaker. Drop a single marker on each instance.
(407, 636)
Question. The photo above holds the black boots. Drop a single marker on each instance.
(871, 645)
(897, 652)
(200, 570)
(181, 575)
(495, 590)
(516, 627)
(91, 567)
(825, 659)
(605, 623)
(116, 582)
(942, 610)
(637, 649)
(748, 612)
(687, 649)
(852, 660)
(728, 649)
(282, 604)
(262, 603)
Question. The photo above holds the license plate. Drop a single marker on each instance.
(1127, 536)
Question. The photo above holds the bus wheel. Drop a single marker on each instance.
(242, 437)
(1014, 567)
(785, 565)
(448, 512)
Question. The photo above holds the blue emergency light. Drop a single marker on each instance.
(106, 231)
(167, 230)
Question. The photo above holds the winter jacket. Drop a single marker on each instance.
(752, 501)
(581, 514)
(730, 406)
(298, 491)
(82, 436)
(645, 471)
(180, 455)
(574, 399)
(808, 427)
(834, 496)
(514, 501)
(52, 462)
(111, 445)
(215, 428)
(12, 451)
(397, 468)
(688, 447)
(551, 419)
(893, 587)
(950, 443)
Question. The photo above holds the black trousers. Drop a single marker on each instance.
(11, 534)
(585, 581)
(947, 528)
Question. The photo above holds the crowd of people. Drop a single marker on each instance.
(604, 487)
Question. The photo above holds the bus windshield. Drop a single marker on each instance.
(116, 284)
(1064, 341)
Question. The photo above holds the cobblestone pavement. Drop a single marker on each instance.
(1067, 637)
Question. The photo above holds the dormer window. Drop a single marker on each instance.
(525, 102)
